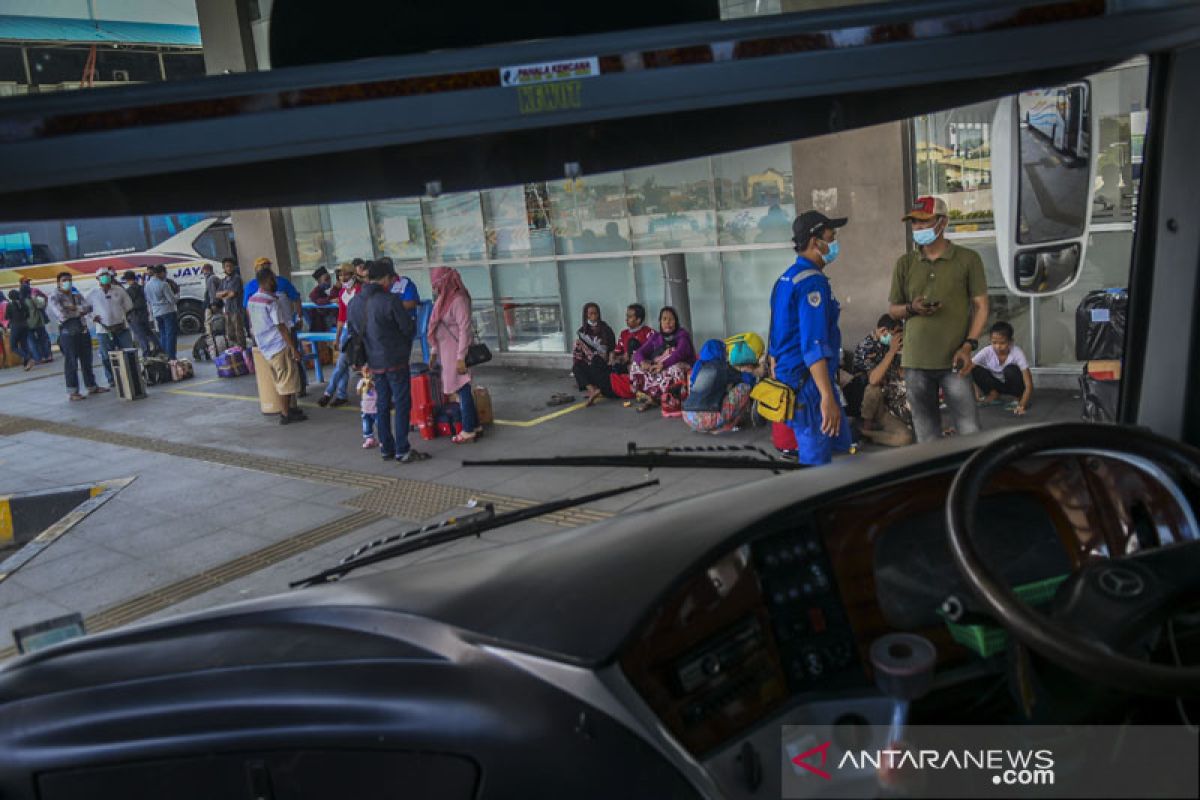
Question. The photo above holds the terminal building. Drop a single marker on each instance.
(533, 254)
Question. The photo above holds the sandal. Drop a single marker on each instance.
(463, 438)
(76, 396)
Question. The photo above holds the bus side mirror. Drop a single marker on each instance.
(1043, 176)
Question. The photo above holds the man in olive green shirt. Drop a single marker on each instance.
(941, 289)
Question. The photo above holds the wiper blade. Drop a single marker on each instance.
(452, 529)
(690, 457)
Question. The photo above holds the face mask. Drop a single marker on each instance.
(105, 280)
(593, 322)
(66, 286)
(886, 339)
(926, 236)
(831, 255)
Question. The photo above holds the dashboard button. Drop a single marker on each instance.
(814, 664)
(711, 665)
(813, 545)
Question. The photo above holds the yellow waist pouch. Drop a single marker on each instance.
(776, 400)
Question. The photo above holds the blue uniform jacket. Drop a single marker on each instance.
(804, 326)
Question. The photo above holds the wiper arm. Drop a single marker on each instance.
(727, 457)
(451, 530)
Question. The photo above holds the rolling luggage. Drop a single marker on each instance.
(127, 374)
(156, 369)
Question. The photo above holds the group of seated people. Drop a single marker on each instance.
(660, 367)
(710, 391)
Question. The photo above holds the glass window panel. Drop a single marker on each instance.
(588, 214)
(755, 195)
(749, 278)
(478, 281)
(706, 296)
(517, 221)
(1106, 266)
(164, 226)
(953, 160)
(607, 282)
(647, 276)
(986, 248)
(399, 231)
(312, 245)
(454, 227)
(25, 243)
(528, 300)
(350, 231)
(105, 236)
(1119, 98)
(671, 205)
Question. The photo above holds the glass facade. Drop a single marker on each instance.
(532, 254)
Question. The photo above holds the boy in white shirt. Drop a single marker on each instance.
(1005, 371)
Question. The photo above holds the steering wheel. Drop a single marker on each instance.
(1106, 603)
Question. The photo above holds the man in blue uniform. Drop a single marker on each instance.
(806, 345)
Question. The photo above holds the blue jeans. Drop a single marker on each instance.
(108, 343)
(368, 423)
(40, 341)
(393, 390)
(76, 346)
(168, 332)
(923, 387)
(339, 382)
(145, 337)
(466, 402)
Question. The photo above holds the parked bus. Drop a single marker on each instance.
(1060, 115)
(37, 251)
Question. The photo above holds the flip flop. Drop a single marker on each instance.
(591, 401)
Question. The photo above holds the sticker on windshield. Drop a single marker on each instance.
(550, 71)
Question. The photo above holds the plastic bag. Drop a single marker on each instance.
(1100, 324)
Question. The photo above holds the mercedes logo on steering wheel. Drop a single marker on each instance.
(1121, 582)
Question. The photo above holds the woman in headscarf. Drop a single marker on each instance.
(593, 353)
(450, 334)
(659, 373)
(720, 392)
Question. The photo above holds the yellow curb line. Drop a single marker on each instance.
(354, 408)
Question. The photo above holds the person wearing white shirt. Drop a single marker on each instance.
(1002, 369)
(273, 335)
(111, 307)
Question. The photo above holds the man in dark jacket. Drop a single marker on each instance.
(139, 318)
(386, 329)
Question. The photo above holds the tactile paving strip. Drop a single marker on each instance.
(397, 497)
(174, 593)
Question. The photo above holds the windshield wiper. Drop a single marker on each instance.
(450, 530)
(689, 457)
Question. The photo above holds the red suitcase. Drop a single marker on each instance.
(421, 415)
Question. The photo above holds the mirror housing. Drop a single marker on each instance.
(1043, 186)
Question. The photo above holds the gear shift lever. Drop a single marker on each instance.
(903, 664)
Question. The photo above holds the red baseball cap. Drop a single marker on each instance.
(927, 207)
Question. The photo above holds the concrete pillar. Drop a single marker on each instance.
(258, 233)
(858, 174)
(675, 287)
(227, 38)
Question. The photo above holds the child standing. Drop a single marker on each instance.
(366, 388)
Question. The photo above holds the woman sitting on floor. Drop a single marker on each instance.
(659, 373)
(593, 354)
(720, 392)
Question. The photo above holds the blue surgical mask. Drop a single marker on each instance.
(926, 236)
(886, 339)
(832, 254)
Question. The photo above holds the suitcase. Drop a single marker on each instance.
(127, 374)
(483, 405)
(783, 437)
(421, 413)
(181, 369)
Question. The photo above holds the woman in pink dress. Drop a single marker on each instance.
(449, 337)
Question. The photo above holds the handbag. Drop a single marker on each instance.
(776, 400)
(477, 352)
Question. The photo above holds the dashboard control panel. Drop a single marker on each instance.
(815, 643)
